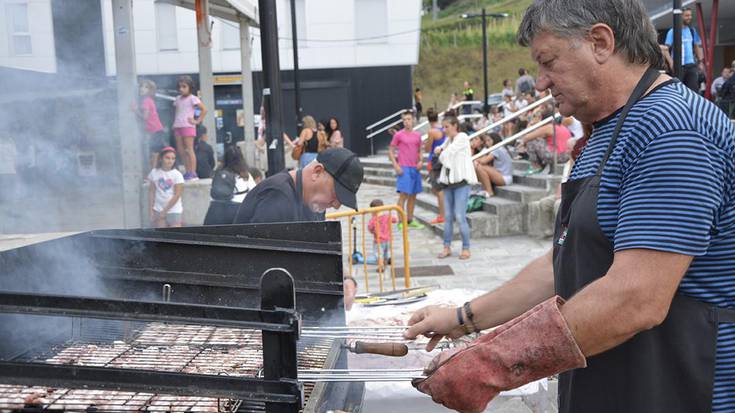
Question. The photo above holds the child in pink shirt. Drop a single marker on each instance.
(185, 123)
(380, 225)
(152, 126)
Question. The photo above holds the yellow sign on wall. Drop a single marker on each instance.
(228, 80)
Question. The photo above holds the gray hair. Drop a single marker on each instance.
(635, 36)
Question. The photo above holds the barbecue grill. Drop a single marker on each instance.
(85, 324)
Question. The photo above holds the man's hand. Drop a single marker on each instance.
(436, 322)
(398, 169)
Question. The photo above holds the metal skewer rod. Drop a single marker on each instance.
(348, 335)
(349, 371)
(355, 328)
(359, 378)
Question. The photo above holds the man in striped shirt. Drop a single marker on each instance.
(634, 303)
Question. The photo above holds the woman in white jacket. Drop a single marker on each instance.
(457, 175)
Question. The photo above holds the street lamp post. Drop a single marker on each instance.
(484, 17)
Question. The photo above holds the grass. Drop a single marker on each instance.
(451, 50)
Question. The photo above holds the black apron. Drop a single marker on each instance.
(669, 368)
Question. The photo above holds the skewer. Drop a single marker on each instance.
(355, 328)
(356, 336)
(344, 378)
(307, 371)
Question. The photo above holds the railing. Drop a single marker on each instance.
(511, 139)
(404, 230)
(372, 134)
(384, 119)
(512, 116)
(460, 118)
(455, 106)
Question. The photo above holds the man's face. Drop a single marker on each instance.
(408, 121)
(686, 17)
(321, 193)
(559, 62)
(726, 73)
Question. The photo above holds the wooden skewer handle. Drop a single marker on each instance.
(385, 349)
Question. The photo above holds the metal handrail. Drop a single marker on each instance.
(512, 116)
(404, 230)
(383, 129)
(513, 138)
(384, 119)
(420, 125)
(455, 106)
(460, 117)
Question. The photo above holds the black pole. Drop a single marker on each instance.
(272, 82)
(677, 39)
(296, 83)
(484, 58)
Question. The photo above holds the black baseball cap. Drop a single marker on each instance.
(346, 169)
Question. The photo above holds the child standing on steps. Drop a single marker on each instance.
(380, 224)
(185, 123)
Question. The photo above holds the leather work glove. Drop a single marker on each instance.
(534, 345)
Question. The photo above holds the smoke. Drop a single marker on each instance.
(79, 265)
(60, 168)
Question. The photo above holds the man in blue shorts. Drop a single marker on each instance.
(634, 305)
(407, 164)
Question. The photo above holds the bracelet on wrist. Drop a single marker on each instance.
(468, 310)
(460, 318)
(463, 323)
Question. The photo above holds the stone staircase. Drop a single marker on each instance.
(507, 213)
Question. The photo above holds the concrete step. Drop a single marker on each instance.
(391, 182)
(542, 181)
(377, 165)
(510, 214)
(516, 192)
(520, 193)
(385, 172)
(522, 165)
(482, 224)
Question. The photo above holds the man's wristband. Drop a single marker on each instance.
(470, 315)
(460, 319)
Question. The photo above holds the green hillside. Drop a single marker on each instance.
(451, 49)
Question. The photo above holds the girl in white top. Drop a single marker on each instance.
(164, 194)
(457, 174)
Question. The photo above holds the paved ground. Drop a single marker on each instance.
(494, 261)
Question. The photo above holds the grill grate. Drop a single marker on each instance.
(162, 347)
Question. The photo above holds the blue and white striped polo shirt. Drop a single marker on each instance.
(669, 185)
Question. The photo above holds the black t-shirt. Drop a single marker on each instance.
(274, 200)
(205, 159)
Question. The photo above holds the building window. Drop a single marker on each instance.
(371, 21)
(16, 15)
(166, 27)
(230, 35)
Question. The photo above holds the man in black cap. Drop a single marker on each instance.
(330, 181)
